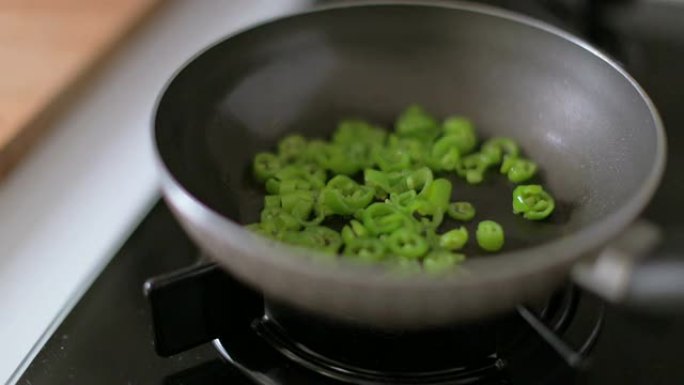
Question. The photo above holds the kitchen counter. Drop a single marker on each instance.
(71, 203)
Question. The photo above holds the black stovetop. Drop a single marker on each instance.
(107, 338)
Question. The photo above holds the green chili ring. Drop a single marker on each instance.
(490, 236)
(461, 211)
(407, 243)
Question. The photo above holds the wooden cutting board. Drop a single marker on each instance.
(47, 47)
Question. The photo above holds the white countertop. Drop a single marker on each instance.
(73, 201)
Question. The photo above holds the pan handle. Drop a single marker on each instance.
(619, 276)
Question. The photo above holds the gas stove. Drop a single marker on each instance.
(182, 333)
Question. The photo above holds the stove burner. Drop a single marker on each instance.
(339, 373)
(457, 355)
(474, 353)
(283, 345)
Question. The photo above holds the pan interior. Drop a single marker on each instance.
(582, 121)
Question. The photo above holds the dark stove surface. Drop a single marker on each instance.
(107, 337)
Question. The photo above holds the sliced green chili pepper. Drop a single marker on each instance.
(461, 211)
(314, 152)
(292, 185)
(275, 219)
(454, 239)
(441, 261)
(311, 173)
(274, 186)
(522, 171)
(291, 147)
(362, 154)
(431, 236)
(507, 163)
(385, 183)
(350, 188)
(532, 202)
(434, 201)
(391, 159)
(298, 204)
(404, 200)
(420, 179)
(296, 238)
(358, 131)
(271, 201)
(383, 218)
(474, 166)
(490, 235)
(417, 150)
(438, 194)
(462, 130)
(343, 196)
(340, 160)
(365, 249)
(353, 230)
(407, 243)
(271, 215)
(296, 177)
(445, 154)
(415, 122)
(497, 147)
(518, 169)
(379, 181)
(315, 237)
(265, 166)
(356, 138)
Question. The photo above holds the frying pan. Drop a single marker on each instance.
(591, 128)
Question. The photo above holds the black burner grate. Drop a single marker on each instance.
(286, 345)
